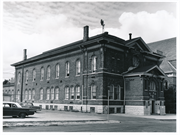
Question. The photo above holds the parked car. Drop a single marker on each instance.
(16, 110)
(30, 105)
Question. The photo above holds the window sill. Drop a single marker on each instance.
(66, 76)
(78, 75)
(57, 78)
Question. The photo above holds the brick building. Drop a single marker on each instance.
(80, 76)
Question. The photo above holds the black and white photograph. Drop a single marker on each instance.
(89, 67)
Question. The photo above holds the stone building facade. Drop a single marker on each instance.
(93, 74)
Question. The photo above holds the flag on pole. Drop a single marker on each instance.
(102, 23)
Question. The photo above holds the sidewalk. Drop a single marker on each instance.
(50, 117)
(158, 117)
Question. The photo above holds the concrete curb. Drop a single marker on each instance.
(54, 123)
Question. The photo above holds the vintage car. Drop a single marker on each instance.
(16, 110)
(30, 105)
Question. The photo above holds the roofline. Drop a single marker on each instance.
(171, 65)
(157, 68)
(101, 37)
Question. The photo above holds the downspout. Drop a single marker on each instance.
(124, 93)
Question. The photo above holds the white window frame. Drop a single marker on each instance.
(93, 87)
(29, 94)
(48, 94)
(72, 93)
(48, 72)
(78, 92)
(57, 71)
(42, 73)
(57, 93)
(78, 67)
(66, 93)
(94, 63)
(34, 75)
(41, 93)
(26, 76)
(52, 93)
(67, 68)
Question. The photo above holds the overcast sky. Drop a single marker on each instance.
(41, 26)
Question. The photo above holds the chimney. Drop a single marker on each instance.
(130, 36)
(25, 56)
(86, 33)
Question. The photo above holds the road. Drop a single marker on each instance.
(128, 124)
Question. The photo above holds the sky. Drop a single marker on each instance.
(39, 26)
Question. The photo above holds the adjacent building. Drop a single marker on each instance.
(9, 91)
(94, 74)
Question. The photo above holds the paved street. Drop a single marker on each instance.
(127, 123)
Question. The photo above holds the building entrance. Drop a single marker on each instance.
(154, 107)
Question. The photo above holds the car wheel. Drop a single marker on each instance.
(22, 115)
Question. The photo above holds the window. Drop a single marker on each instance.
(111, 92)
(57, 93)
(93, 64)
(67, 68)
(19, 77)
(152, 86)
(12, 97)
(117, 92)
(57, 70)
(66, 92)
(48, 94)
(52, 93)
(77, 92)
(72, 92)
(34, 74)
(145, 84)
(78, 67)
(127, 85)
(48, 73)
(29, 94)
(26, 79)
(18, 95)
(41, 94)
(42, 73)
(33, 94)
(26, 94)
(93, 91)
(165, 85)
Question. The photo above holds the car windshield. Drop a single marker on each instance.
(18, 105)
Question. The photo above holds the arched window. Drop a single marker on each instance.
(19, 77)
(66, 92)
(57, 70)
(67, 69)
(72, 92)
(26, 79)
(41, 94)
(42, 73)
(52, 93)
(30, 94)
(33, 94)
(48, 94)
(93, 91)
(26, 94)
(34, 74)
(78, 67)
(77, 92)
(48, 72)
(57, 93)
(152, 86)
